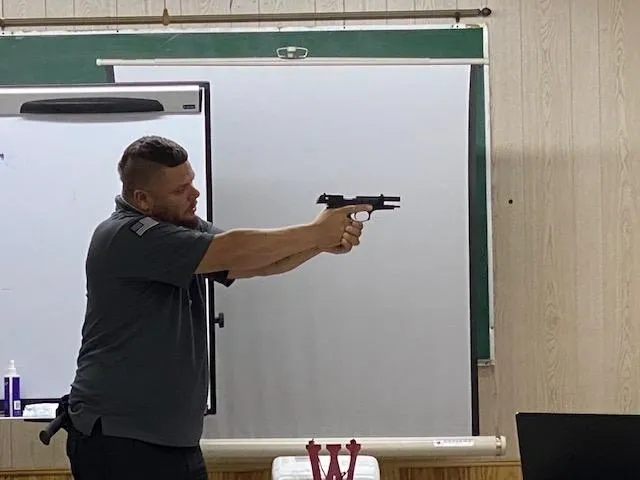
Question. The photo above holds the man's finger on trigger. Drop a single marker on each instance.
(361, 208)
(349, 209)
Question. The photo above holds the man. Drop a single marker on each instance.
(139, 395)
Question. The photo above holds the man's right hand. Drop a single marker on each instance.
(331, 225)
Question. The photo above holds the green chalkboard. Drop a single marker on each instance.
(71, 58)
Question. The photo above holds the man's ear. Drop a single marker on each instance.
(142, 200)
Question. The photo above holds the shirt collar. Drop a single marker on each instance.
(122, 204)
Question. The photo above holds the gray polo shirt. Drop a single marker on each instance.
(143, 362)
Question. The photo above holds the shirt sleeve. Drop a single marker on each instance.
(159, 252)
(220, 277)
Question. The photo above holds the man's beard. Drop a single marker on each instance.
(165, 216)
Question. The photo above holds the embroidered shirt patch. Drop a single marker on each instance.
(143, 225)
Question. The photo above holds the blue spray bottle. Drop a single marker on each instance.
(12, 403)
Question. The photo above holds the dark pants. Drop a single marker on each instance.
(101, 457)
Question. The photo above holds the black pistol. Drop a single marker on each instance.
(61, 422)
(377, 202)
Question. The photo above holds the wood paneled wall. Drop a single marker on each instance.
(565, 92)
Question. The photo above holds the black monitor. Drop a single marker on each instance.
(578, 446)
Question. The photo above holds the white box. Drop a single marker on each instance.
(299, 467)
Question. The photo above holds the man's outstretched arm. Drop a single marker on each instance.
(278, 267)
(254, 249)
(291, 262)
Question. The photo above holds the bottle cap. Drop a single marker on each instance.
(12, 368)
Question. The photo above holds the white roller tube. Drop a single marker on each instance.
(285, 62)
(404, 447)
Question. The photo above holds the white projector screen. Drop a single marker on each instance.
(376, 342)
